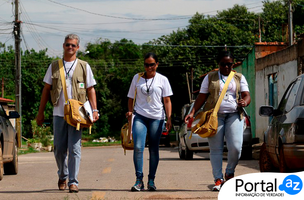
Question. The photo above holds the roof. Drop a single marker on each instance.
(3, 100)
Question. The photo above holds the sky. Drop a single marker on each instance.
(45, 23)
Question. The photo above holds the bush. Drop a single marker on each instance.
(41, 134)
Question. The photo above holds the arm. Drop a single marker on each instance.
(130, 109)
(92, 98)
(200, 100)
(44, 99)
(168, 108)
(245, 99)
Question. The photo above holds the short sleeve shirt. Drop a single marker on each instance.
(149, 95)
(229, 103)
(69, 67)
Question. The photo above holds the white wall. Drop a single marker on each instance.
(286, 73)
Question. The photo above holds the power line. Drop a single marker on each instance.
(59, 29)
(9, 38)
(199, 46)
(24, 41)
(116, 17)
(35, 34)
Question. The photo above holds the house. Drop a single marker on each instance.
(269, 68)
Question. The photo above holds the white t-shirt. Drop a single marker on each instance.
(148, 102)
(90, 81)
(229, 103)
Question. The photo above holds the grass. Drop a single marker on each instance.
(27, 150)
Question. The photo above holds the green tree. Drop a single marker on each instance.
(274, 20)
(113, 73)
(33, 66)
(7, 70)
(195, 47)
(298, 8)
(114, 64)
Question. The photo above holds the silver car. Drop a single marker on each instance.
(8, 143)
(187, 146)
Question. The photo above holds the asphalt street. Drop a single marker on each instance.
(106, 173)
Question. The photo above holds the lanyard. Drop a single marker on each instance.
(148, 88)
(67, 72)
(222, 79)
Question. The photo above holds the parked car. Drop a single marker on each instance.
(187, 146)
(8, 143)
(283, 147)
(165, 137)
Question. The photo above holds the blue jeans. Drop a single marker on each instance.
(230, 126)
(142, 125)
(67, 138)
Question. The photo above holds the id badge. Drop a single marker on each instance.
(149, 99)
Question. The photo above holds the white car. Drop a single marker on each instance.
(187, 146)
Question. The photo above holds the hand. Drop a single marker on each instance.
(242, 103)
(187, 118)
(168, 124)
(95, 116)
(129, 115)
(40, 119)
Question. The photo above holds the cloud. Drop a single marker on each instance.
(46, 22)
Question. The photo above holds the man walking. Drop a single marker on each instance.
(80, 86)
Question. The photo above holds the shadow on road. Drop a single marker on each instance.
(53, 191)
(250, 163)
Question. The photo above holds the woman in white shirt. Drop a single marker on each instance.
(153, 93)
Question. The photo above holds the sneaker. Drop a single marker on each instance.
(151, 185)
(218, 183)
(228, 176)
(138, 186)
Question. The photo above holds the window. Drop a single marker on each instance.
(289, 97)
(292, 97)
(2, 111)
(273, 90)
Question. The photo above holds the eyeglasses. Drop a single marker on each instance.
(149, 64)
(222, 64)
(68, 44)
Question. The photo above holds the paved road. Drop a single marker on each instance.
(105, 173)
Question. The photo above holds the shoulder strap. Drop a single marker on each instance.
(60, 62)
(219, 101)
(139, 75)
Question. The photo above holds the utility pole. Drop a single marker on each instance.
(260, 32)
(290, 27)
(2, 93)
(18, 71)
(192, 83)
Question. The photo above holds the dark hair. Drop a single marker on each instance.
(153, 55)
(223, 54)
